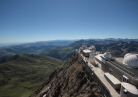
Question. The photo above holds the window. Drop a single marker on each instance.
(125, 79)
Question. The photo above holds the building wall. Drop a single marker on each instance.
(85, 54)
(111, 69)
(99, 63)
(102, 86)
(116, 72)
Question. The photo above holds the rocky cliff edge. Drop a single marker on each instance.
(72, 80)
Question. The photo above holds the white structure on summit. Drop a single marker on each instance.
(92, 57)
(85, 50)
(92, 48)
(131, 60)
(107, 55)
(92, 54)
(121, 73)
(99, 56)
(84, 46)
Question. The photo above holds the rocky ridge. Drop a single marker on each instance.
(72, 80)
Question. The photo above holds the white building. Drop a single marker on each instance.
(126, 72)
(131, 60)
(121, 74)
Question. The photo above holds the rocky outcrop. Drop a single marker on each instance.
(72, 80)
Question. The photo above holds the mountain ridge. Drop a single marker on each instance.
(117, 48)
(72, 80)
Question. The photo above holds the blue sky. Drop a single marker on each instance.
(41, 20)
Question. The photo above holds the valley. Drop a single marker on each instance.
(21, 74)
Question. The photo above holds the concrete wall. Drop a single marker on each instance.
(111, 69)
(98, 63)
(102, 86)
(116, 72)
(115, 86)
(85, 54)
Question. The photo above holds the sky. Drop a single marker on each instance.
(42, 20)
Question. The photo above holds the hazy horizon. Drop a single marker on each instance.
(61, 40)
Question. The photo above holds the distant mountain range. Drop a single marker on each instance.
(33, 48)
(39, 43)
(52, 42)
(114, 39)
(63, 49)
(60, 42)
(117, 48)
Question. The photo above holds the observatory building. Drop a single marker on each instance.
(121, 73)
(87, 51)
(131, 60)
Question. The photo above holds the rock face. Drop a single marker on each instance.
(72, 80)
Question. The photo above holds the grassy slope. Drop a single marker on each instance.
(62, 53)
(22, 74)
(19, 49)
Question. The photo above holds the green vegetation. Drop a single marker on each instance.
(21, 74)
(23, 49)
(33, 48)
(62, 53)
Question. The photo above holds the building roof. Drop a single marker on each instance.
(129, 87)
(112, 78)
(131, 60)
(99, 58)
(119, 59)
(107, 55)
(92, 48)
(127, 54)
(87, 51)
(92, 54)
